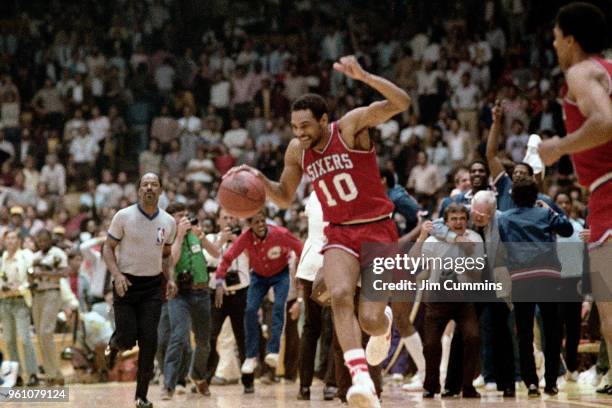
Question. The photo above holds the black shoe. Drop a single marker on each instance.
(19, 382)
(329, 392)
(304, 394)
(428, 394)
(33, 381)
(140, 403)
(450, 394)
(533, 391)
(110, 356)
(470, 393)
(551, 391)
(606, 389)
(509, 393)
(249, 389)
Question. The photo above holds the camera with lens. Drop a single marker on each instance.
(184, 280)
(193, 221)
(236, 230)
(232, 278)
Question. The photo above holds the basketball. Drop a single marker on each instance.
(242, 194)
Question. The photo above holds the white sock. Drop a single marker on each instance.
(389, 314)
(356, 363)
(414, 345)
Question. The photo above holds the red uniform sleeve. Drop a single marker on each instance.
(294, 243)
(232, 253)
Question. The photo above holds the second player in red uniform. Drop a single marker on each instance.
(580, 37)
(340, 160)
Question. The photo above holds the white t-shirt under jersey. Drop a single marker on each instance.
(141, 239)
(311, 259)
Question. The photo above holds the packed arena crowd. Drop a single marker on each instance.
(96, 97)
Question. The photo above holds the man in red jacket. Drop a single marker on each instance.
(269, 248)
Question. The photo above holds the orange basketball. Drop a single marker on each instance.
(242, 194)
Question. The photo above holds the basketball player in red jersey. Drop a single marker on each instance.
(340, 160)
(580, 37)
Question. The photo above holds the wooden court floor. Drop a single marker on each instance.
(119, 395)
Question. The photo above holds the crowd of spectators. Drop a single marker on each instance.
(94, 95)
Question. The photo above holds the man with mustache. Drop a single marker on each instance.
(136, 252)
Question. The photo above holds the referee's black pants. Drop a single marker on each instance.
(136, 318)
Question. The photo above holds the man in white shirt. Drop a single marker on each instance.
(235, 138)
(71, 129)
(189, 122)
(83, 153)
(54, 175)
(99, 125)
(465, 100)
(437, 312)
(234, 298)
(49, 265)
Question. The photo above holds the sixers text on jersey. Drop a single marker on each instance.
(346, 181)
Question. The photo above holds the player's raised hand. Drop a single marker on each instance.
(498, 111)
(350, 67)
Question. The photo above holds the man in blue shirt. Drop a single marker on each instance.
(528, 232)
(501, 180)
(403, 202)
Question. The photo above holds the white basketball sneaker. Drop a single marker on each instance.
(249, 365)
(378, 346)
(415, 383)
(362, 393)
(271, 359)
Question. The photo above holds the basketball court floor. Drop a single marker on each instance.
(119, 395)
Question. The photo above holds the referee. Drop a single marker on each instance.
(137, 249)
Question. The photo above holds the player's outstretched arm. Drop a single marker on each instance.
(495, 164)
(396, 99)
(282, 192)
(592, 97)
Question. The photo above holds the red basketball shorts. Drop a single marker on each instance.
(351, 238)
(600, 214)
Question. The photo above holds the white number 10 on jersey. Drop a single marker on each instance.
(344, 186)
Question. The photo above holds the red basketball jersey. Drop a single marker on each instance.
(347, 181)
(596, 162)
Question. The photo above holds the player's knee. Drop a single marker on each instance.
(372, 323)
(341, 295)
